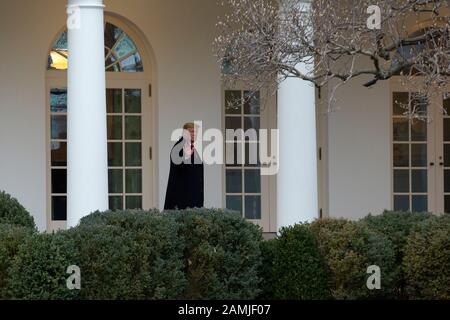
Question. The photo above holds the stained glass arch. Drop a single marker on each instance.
(121, 52)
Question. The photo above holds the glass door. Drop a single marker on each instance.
(412, 162)
(420, 151)
(247, 190)
(124, 114)
(443, 154)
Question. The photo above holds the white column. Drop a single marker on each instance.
(297, 193)
(87, 166)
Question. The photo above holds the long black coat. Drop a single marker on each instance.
(185, 188)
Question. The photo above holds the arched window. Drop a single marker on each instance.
(121, 53)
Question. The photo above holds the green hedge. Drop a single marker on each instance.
(349, 249)
(396, 226)
(221, 254)
(39, 269)
(193, 254)
(129, 255)
(11, 237)
(426, 263)
(216, 254)
(12, 212)
(294, 268)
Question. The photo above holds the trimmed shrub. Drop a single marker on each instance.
(427, 260)
(12, 212)
(222, 254)
(39, 270)
(268, 255)
(129, 255)
(11, 237)
(294, 268)
(396, 226)
(349, 249)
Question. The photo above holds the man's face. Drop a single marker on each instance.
(192, 133)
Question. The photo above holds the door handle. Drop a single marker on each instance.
(431, 164)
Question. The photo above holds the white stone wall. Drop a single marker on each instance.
(359, 151)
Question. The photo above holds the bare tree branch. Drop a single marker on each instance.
(262, 42)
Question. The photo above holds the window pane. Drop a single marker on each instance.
(253, 207)
(251, 127)
(419, 130)
(133, 154)
(115, 181)
(124, 52)
(447, 155)
(252, 181)
(234, 153)
(419, 104)
(446, 104)
(133, 101)
(419, 155)
(234, 181)
(59, 181)
(252, 102)
(123, 47)
(134, 202)
(112, 33)
(401, 155)
(447, 181)
(116, 203)
(59, 127)
(400, 103)
(132, 64)
(252, 155)
(234, 203)
(447, 204)
(114, 128)
(57, 59)
(233, 102)
(401, 129)
(114, 100)
(419, 181)
(447, 129)
(115, 154)
(59, 208)
(59, 154)
(401, 203)
(419, 203)
(233, 123)
(58, 100)
(133, 128)
(401, 181)
(113, 68)
(133, 181)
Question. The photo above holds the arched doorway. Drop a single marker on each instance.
(129, 121)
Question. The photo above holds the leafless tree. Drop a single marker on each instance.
(263, 42)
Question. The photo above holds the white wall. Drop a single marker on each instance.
(187, 85)
(359, 151)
